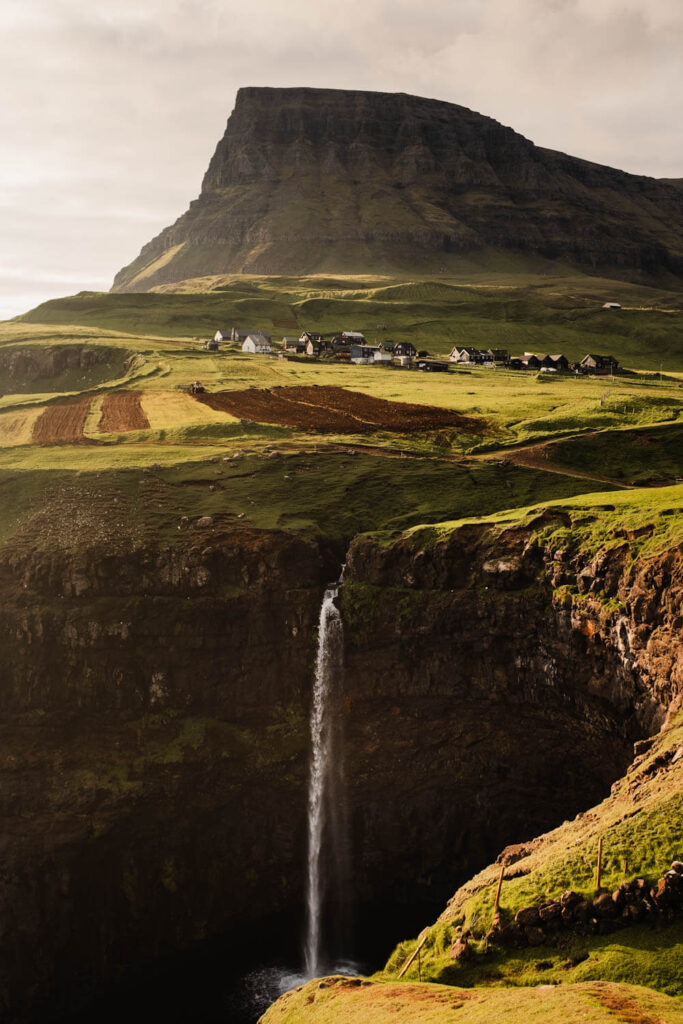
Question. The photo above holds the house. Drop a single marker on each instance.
(353, 337)
(223, 336)
(405, 348)
(496, 355)
(363, 353)
(559, 363)
(257, 344)
(212, 345)
(432, 366)
(405, 361)
(598, 364)
(290, 344)
(528, 361)
(382, 357)
(313, 348)
(387, 346)
(309, 336)
(469, 356)
(611, 305)
(237, 335)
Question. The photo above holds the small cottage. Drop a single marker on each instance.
(496, 355)
(405, 348)
(238, 335)
(222, 336)
(598, 364)
(211, 345)
(353, 337)
(257, 344)
(309, 336)
(363, 353)
(290, 344)
(382, 357)
(468, 356)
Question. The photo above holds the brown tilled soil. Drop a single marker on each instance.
(330, 409)
(121, 410)
(63, 422)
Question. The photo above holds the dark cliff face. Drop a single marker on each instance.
(312, 179)
(155, 730)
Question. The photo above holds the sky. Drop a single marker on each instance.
(111, 111)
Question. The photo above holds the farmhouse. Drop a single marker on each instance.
(353, 337)
(238, 335)
(257, 344)
(290, 344)
(223, 336)
(598, 364)
(469, 356)
(309, 336)
(496, 355)
(405, 348)
(363, 353)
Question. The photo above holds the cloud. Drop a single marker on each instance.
(114, 109)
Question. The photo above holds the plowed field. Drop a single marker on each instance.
(121, 410)
(330, 409)
(62, 423)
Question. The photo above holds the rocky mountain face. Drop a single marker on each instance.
(322, 180)
(155, 728)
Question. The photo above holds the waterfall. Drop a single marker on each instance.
(328, 861)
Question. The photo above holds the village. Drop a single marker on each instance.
(352, 347)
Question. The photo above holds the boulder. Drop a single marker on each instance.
(534, 936)
(527, 917)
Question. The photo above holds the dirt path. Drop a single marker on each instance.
(538, 457)
(63, 422)
(121, 411)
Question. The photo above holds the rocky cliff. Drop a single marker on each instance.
(311, 180)
(155, 734)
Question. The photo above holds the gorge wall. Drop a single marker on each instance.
(323, 180)
(155, 728)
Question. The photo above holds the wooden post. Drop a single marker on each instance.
(598, 875)
(500, 886)
(415, 953)
(419, 963)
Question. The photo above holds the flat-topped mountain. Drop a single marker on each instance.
(325, 180)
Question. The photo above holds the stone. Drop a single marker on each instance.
(603, 905)
(527, 916)
(460, 950)
(534, 936)
(204, 522)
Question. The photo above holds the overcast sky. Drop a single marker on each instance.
(111, 111)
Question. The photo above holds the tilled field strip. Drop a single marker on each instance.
(17, 427)
(330, 409)
(63, 423)
(121, 411)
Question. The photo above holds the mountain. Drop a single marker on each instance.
(325, 180)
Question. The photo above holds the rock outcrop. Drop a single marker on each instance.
(323, 180)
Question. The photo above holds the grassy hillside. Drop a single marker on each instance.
(518, 312)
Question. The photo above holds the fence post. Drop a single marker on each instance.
(598, 875)
(500, 886)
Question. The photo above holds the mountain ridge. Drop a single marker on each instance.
(321, 180)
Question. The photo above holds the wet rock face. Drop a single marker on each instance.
(304, 177)
(482, 709)
(155, 742)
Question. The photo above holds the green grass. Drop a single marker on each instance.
(547, 312)
(341, 1000)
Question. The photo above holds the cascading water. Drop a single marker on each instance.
(327, 876)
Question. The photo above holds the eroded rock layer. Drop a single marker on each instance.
(323, 180)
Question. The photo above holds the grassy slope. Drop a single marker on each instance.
(516, 311)
(340, 1002)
